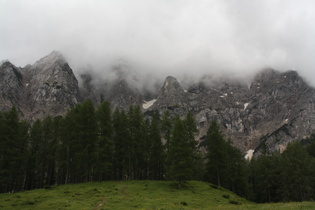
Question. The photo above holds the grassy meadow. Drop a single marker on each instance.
(135, 195)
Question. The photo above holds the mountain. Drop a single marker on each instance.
(265, 115)
(47, 87)
(275, 109)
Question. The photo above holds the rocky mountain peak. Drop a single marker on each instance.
(5, 63)
(52, 85)
(266, 74)
(10, 85)
(47, 87)
(172, 86)
(172, 97)
(53, 57)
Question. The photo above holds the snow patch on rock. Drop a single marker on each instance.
(249, 154)
(148, 104)
(246, 105)
(224, 95)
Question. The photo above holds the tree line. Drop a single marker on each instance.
(98, 144)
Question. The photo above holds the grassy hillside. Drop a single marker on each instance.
(134, 195)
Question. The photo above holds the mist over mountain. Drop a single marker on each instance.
(161, 38)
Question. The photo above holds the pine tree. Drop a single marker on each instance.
(87, 138)
(166, 128)
(49, 150)
(191, 131)
(13, 142)
(36, 161)
(22, 155)
(225, 164)
(156, 151)
(264, 176)
(121, 145)
(180, 154)
(67, 130)
(105, 144)
(296, 175)
(217, 155)
(236, 179)
(137, 150)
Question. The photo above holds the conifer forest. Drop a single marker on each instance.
(93, 144)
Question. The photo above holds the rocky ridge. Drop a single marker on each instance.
(47, 87)
(276, 108)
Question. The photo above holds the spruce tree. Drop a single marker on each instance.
(216, 155)
(49, 150)
(296, 174)
(156, 151)
(87, 137)
(105, 144)
(191, 131)
(137, 143)
(264, 176)
(166, 128)
(36, 161)
(225, 164)
(180, 156)
(13, 144)
(121, 145)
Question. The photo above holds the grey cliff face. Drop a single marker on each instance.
(276, 109)
(48, 87)
(171, 97)
(285, 110)
(11, 87)
(51, 84)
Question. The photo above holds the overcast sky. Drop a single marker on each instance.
(166, 37)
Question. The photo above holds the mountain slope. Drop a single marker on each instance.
(276, 109)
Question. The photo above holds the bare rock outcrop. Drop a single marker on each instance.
(47, 87)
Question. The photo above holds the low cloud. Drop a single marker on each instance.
(178, 37)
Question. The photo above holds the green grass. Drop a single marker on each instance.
(135, 195)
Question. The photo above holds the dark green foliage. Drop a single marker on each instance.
(156, 151)
(138, 148)
(104, 144)
(225, 164)
(296, 178)
(264, 178)
(283, 177)
(13, 144)
(217, 155)
(78, 144)
(180, 156)
(121, 144)
(166, 127)
(191, 132)
(311, 145)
